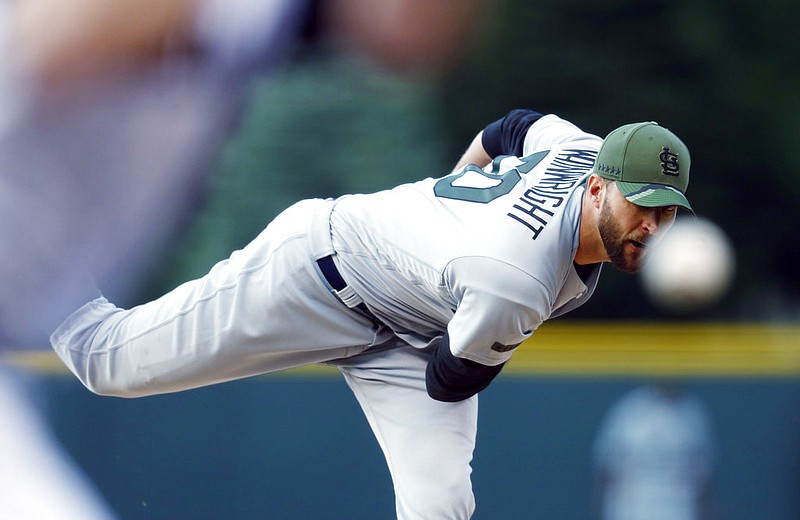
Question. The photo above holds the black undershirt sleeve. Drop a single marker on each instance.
(507, 135)
(449, 378)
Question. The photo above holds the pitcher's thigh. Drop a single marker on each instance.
(428, 444)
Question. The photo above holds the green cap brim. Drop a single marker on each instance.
(653, 195)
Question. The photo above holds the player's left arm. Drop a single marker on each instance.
(519, 133)
(475, 154)
(505, 136)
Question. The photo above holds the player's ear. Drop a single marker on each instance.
(595, 185)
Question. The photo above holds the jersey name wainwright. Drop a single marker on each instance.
(535, 208)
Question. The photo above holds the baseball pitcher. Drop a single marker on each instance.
(419, 294)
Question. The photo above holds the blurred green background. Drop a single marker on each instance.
(723, 75)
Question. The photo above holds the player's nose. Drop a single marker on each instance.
(651, 220)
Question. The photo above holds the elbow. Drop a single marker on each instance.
(446, 395)
(451, 379)
(462, 387)
(438, 391)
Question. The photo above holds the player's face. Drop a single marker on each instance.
(627, 230)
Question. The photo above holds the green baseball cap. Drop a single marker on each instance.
(649, 163)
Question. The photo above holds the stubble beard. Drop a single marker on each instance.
(614, 243)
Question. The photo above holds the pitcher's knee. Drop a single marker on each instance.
(111, 387)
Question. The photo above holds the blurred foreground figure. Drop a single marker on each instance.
(38, 481)
(653, 457)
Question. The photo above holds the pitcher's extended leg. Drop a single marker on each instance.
(264, 309)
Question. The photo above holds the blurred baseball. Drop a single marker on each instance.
(691, 267)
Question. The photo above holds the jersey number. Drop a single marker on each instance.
(503, 182)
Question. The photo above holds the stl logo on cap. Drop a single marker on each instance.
(649, 164)
(669, 162)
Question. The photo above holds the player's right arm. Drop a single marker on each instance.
(449, 378)
(499, 307)
(480, 339)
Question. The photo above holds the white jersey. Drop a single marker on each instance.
(500, 258)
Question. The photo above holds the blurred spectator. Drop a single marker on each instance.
(654, 457)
